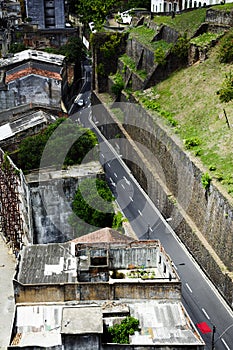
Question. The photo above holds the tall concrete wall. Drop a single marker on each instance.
(51, 201)
(96, 291)
(51, 208)
(172, 179)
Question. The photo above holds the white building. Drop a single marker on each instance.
(158, 6)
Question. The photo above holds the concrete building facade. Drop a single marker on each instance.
(46, 13)
(32, 76)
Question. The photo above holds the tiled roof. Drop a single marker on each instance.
(32, 70)
(104, 235)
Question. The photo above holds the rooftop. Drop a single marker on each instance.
(75, 171)
(82, 320)
(161, 322)
(105, 234)
(33, 55)
(122, 260)
(42, 324)
(47, 263)
(25, 122)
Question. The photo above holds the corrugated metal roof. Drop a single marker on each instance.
(50, 263)
(163, 322)
(23, 123)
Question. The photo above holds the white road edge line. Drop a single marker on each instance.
(216, 292)
(224, 342)
(205, 313)
(187, 285)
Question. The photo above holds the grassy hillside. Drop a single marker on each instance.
(189, 100)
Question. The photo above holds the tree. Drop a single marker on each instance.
(93, 204)
(74, 50)
(94, 11)
(120, 332)
(226, 92)
(62, 142)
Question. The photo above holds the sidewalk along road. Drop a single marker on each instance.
(7, 304)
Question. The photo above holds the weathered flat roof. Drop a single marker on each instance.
(33, 55)
(75, 171)
(38, 325)
(47, 263)
(163, 322)
(25, 122)
(82, 320)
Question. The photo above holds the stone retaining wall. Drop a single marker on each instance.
(201, 218)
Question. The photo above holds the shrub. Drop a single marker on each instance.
(205, 180)
(118, 84)
(108, 49)
(160, 56)
(225, 53)
(226, 92)
(192, 142)
(181, 47)
(120, 332)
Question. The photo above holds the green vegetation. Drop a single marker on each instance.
(205, 39)
(154, 106)
(129, 62)
(225, 7)
(92, 10)
(109, 47)
(160, 56)
(190, 96)
(73, 50)
(17, 47)
(181, 47)
(118, 220)
(205, 180)
(120, 332)
(185, 23)
(145, 36)
(93, 203)
(226, 92)
(192, 142)
(68, 134)
(118, 84)
(225, 53)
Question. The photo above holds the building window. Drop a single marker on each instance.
(99, 261)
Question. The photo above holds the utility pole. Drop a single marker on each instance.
(213, 332)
